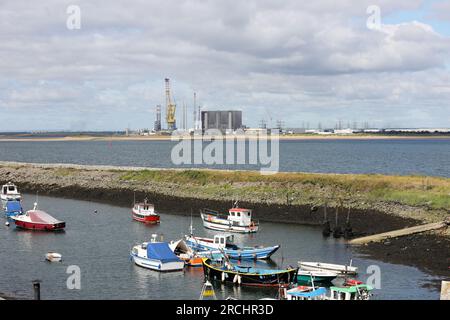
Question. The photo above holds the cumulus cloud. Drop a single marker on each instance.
(284, 60)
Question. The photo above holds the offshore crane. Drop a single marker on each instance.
(170, 109)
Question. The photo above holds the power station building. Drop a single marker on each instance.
(225, 121)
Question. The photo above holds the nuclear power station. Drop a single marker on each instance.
(225, 121)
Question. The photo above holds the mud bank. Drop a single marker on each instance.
(429, 252)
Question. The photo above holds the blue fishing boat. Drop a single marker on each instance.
(225, 244)
(13, 208)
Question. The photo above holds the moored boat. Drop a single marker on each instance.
(185, 253)
(9, 192)
(53, 257)
(306, 293)
(320, 266)
(38, 220)
(309, 277)
(237, 220)
(227, 272)
(357, 292)
(145, 212)
(226, 243)
(13, 208)
(156, 256)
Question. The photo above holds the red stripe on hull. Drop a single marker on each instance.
(152, 219)
(40, 226)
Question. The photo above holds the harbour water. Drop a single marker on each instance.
(402, 157)
(99, 244)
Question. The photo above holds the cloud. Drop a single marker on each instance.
(301, 60)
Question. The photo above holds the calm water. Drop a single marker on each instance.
(404, 157)
(99, 244)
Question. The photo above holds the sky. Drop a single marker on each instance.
(302, 63)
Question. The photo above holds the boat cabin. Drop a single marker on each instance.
(224, 241)
(358, 292)
(240, 217)
(144, 208)
(9, 190)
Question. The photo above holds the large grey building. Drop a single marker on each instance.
(224, 121)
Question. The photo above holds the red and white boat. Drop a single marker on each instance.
(145, 212)
(38, 220)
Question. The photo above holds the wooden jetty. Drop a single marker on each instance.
(400, 233)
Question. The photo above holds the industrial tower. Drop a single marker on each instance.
(170, 109)
(157, 126)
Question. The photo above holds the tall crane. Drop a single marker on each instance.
(170, 109)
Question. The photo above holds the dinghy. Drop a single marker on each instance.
(53, 257)
(320, 266)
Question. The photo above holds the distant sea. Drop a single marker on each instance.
(397, 157)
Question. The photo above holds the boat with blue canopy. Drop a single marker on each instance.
(306, 293)
(13, 208)
(156, 256)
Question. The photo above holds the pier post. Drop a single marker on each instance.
(445, 290)
(37, 289)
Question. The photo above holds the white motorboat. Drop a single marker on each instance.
(53, 257)
(319, 266)
(9, 192)
(156, 256)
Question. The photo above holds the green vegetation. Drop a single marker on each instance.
(298, 188)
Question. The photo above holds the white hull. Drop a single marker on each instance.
(228, 228)
(325, 267)
(157, 265)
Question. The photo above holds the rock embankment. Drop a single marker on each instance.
(285, 197)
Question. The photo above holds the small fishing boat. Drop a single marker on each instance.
(226, 243)
(185, 253)
(13, 208)
(53, 257)
(237, 220)
(358, 292)
(145, 212)
(304, 276)
(320, 266)
(225, 271)
(38, 220)
(306, 293)
(156, 256)
(9, 192)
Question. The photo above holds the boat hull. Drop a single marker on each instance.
(40, 226)
(158, 265)
(224, 225)
(306, 278)
(268, 279)
(150, 219)
(317, 266)
(240, 254)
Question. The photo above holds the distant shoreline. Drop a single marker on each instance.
(21, 138)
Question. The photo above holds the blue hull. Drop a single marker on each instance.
(240, 254)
